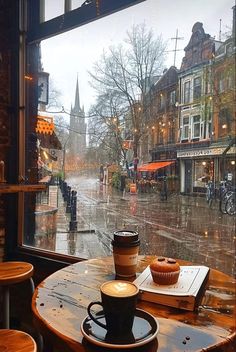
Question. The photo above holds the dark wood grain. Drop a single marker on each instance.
(59, 306)
(16, 341)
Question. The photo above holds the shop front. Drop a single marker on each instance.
(199, 166)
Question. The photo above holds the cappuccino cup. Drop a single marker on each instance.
(125, 253)
(118, 301)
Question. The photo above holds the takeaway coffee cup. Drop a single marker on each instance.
(118, 300)
(125, 252)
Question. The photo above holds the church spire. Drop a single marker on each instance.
(77, 99)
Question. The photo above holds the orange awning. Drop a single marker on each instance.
(154, 166)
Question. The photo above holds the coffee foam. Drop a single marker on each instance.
(119, 288)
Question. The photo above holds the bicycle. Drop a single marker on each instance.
(230, 206)
(225, 191)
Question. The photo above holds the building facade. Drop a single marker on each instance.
(198, 148)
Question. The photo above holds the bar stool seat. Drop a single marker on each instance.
(16, 341)
(13, 273)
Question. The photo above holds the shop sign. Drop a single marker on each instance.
(204, 152)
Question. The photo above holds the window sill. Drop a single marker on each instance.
(34, 254)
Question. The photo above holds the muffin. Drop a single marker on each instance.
(165, 271)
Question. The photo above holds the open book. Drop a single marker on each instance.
(185, 294)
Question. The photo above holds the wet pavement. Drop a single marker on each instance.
(181, 226)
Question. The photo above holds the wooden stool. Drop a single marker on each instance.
(16, 341)
(13, 273)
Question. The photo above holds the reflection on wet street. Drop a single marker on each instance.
(181, 226)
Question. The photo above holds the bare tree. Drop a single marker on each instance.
(105, 127)
(127, 71)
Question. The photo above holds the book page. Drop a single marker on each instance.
(189, 282)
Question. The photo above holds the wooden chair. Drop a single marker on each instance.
(16, 341)
(13, 273)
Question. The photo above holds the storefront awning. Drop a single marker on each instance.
(154, 166)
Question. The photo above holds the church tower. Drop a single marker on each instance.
(77, 134)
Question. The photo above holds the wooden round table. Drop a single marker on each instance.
(60, 305)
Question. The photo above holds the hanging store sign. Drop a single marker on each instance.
(204, 152)
(44, 125)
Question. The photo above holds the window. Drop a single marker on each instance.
(185, 128)
(196, 130)
(196, 88)
(162, 101)
(171, 134)
(173, 97)
(47, 47)
(56, 124)
(203, 172)
(161, 136)
(187, 92)
(221, 82)
(230, 79)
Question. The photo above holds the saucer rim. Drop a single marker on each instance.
(123, 346)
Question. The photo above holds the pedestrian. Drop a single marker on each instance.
(164, 189)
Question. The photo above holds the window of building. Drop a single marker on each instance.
(196, 88)
(171, 134)
(187, 92)
(161, 136)
(221, 82)
(173, 97)
(203, 172)
(162, 101)
(196, 127)
(185, 128)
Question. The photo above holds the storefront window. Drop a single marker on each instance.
(203, 172)
(228, 169)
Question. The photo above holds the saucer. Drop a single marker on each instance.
(145, 329)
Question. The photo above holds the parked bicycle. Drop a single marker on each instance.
(225, 194)
(230, 205)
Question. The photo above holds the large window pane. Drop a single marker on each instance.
(109, 101)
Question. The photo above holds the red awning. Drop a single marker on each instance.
(154, 166)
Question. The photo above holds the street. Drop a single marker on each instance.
(181, 226)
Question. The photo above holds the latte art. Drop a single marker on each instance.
(119, 288)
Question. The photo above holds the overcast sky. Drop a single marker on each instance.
(74, 52)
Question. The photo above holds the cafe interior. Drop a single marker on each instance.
(55, 317)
